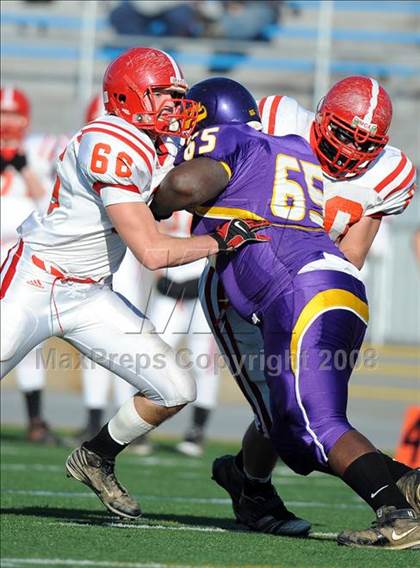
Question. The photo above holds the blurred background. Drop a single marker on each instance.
(56, 51)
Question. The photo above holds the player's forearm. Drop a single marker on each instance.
(170, 251)
(35, 188)
(356, 257)
(137, 227)
(356, 243)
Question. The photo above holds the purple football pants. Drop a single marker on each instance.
(312, 333)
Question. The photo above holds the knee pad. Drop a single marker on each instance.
(186, 387)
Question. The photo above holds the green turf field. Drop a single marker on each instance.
(48, 520)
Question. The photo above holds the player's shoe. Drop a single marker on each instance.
(190, 449)
(409, 485)
(98, 474)
(394, 529)
(39, 432)
(263, 511)
(192, 444)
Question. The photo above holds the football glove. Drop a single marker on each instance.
(17, 161)
(237, 232)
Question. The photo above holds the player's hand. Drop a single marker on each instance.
(237, 232)
(17, 160)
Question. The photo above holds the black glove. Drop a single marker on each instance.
(18, 161)
(187, 290)
(237, 232)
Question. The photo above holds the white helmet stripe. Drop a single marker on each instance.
(178, 74)
(7, 100)
(373, 101)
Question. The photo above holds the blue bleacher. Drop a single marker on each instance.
(398, 37)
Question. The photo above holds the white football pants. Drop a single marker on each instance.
(134, 282)
(241, 345)
(97, 321)
(184, 323)
(29, 376)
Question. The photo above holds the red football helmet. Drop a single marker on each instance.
(130, 85)
(94, 109)
(351, 125)
(16, 110)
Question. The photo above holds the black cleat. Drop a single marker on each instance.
(98, 474)
(263, 511)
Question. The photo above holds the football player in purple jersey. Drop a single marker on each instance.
(305, 298)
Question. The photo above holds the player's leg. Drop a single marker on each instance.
(205, 359)
(30, 377)
(135, 283)
(327, 314)
(247, 476)
(123, 391)
(24, 309)
(96, 383)
(116, 335)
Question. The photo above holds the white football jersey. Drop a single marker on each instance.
(385, 188)
(108, 161)
(16, 204)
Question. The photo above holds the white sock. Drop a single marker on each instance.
(127, 425)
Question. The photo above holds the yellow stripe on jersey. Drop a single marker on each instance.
(319, 304)
(226, 213)
(235, 213)
(227, 168)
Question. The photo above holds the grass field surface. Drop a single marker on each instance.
(49, 520)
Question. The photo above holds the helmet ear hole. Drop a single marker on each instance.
(122, 98)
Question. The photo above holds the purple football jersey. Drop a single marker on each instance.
(274, 178)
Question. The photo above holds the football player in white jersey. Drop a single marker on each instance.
(177, 314)
(364, 180)
(133, 281)
(99, 206)
(26, 168)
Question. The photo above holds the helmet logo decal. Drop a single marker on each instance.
(202, 113)
(359, 122)
(251, 112)
(178, 82)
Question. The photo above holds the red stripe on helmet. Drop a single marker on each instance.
(273, 113)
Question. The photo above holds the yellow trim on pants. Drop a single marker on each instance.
(334, 298)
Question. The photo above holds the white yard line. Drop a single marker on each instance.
(323, 535)
(281, 478)
(16, 562)
(141, 527)
(39, 467)
(178, 499)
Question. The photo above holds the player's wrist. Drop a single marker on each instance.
(221, 243)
